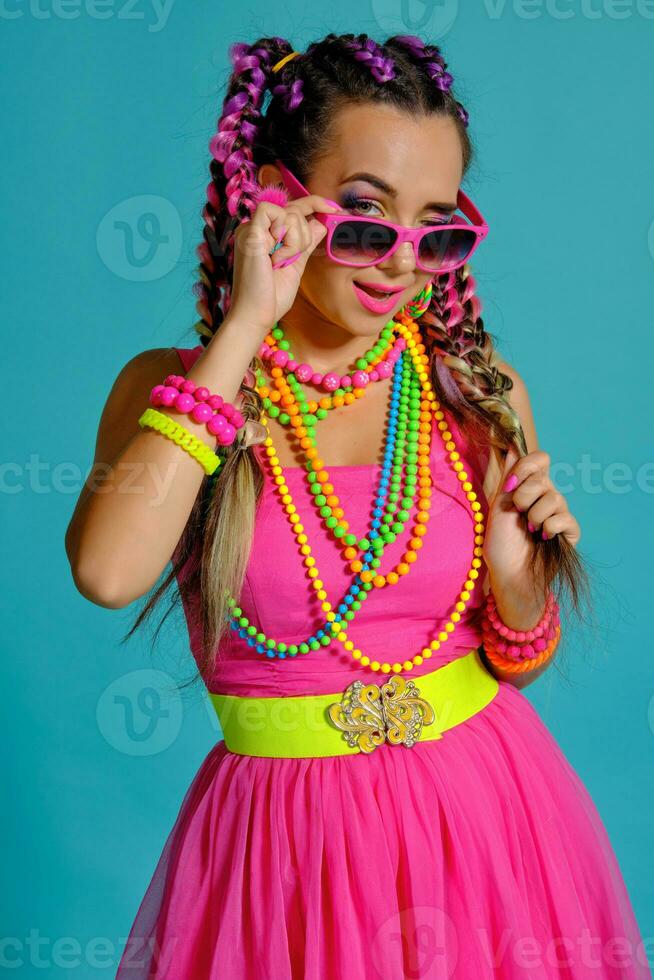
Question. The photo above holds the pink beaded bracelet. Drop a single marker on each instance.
(526, 651)
(519, 636)
(222, 419)
(519, 644)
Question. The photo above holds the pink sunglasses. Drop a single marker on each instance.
(362, 241)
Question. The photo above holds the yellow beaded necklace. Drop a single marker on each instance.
(421, 362)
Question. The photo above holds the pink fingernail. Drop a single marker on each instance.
(531, 526)
(511, 483)
(288, 261)
(544, 535)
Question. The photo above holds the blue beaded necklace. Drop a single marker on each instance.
(358, 590)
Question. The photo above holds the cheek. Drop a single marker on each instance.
(326, 284)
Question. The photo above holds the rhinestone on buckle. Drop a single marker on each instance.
(369, 714)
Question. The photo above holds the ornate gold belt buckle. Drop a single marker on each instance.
(370, 714)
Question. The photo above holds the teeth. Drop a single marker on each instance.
(375, 293)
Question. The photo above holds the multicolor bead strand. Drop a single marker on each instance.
(473, 573)
(328, 503)
(392, 471)
(335, 627)
(375, 365)
(349, 605)
(307, 439)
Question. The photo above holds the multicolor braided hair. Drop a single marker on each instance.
(305, 91)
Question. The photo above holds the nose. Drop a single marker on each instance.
(402, 260)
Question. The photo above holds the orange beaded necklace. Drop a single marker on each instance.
(430, 408)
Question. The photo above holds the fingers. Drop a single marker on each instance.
(313, 203)
(544, 505)
(291, 225)
(530, 490)
(516, 472)
(297, 237)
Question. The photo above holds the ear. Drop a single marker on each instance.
(268, 173)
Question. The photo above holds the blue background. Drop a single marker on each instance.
(117, 112)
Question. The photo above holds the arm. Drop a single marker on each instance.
(519, 610)
(138, 496)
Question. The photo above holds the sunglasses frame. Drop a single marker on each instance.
(414, 235)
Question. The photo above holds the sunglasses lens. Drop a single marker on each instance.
(445, 250)
(361, 242)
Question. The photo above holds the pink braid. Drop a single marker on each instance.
(372, 55)
(231, 147)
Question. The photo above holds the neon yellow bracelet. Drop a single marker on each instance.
(185, 440)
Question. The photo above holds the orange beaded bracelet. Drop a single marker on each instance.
(512, 666)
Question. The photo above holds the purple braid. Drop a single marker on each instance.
(232, 159)
(237, 163)
(433, 63)
(290, 95)
(367, 51)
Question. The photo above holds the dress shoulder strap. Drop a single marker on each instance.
(188, 355)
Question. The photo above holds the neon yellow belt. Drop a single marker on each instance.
(399, 711)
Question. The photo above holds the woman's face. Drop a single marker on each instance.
(416, 163)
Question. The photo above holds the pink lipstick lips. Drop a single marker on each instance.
(381, 301)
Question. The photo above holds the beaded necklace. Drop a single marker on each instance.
(375, 365)
(404, 416)
(365, 579)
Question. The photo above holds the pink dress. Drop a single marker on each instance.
(480, 855)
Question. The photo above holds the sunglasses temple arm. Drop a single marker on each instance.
(470, 210)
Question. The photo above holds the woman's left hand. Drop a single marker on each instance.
(530, 497)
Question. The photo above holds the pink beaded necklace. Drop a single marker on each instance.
(333, 628)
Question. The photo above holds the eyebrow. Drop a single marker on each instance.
(392, 192)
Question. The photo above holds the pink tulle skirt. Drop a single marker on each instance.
(480, 855)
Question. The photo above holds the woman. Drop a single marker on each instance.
(385, 802)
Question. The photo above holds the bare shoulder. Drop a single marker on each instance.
(518, 398)
(129, 397)
(148, 363)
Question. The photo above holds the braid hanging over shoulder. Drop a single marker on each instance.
(233, 174)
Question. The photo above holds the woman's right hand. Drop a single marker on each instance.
(261, 292)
